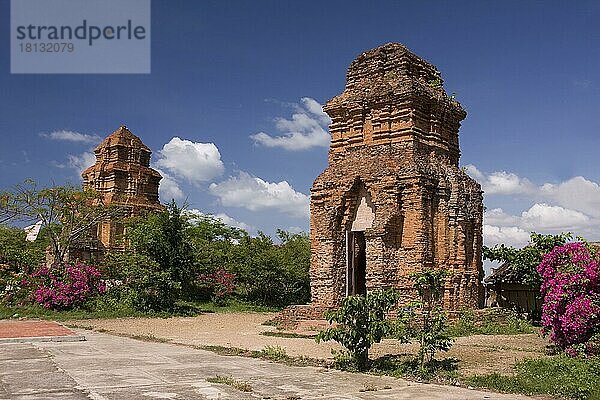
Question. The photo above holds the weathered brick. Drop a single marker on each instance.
(394, 157)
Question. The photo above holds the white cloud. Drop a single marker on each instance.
(498, 217)
(81, 162)
(169, 188)
(224, 218)
(306, 129)
(72, 136)
(194, 161)
(474, 172)
(569, 206)
(508, 235)
(501, 182)
(546, 217)
(253, 193)
(577, 193)
(295, 229)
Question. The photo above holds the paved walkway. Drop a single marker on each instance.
(110, 367)
(18, 331)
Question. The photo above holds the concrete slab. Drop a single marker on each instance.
(111, 368)
(27, 372)
(36, 331)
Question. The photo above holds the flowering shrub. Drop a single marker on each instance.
(64, 287)
(220, 283)
(571, 290)
(14, 287)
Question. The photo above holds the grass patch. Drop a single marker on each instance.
(273, 353)
(36, 311)
(443, 371)
(225, 351)
(102, 308)
(489, 324)
(230, 381)
(232, 306)
(558, 375)
(288, 335)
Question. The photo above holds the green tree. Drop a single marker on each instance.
(140, 282)
(19, 254)
(294, 255)
(360, 322)
(272, 274)
(68, 212)
(213, 242)
(523, 262)
(162, 237)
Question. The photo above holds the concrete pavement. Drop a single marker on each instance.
(111, 367)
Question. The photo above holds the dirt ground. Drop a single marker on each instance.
(477, 354)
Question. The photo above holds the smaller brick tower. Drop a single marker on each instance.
(122, 175)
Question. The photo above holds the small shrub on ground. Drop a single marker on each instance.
(139, 281)
(275, 353)
(361, 322)
(230, 381)
(406, 366)
(561, 375)
(426, 320)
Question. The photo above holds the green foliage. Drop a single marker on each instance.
(18, 258)
(162, 237)
(525, 261)
(361, 322)
(426, 320)
(174, 253)
(402, 366)
(574, 378)
(274, 353)
(272, 274)
(492, 323)
(230, 381)
(266, 273)
(140, 282)
(68, 212)
(18, 253)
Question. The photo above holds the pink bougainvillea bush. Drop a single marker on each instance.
(571, 290)
(220, 283)
(65, 287)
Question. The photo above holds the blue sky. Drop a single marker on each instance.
(223, 71)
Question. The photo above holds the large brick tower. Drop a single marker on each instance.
(393, 199)
(122, 175)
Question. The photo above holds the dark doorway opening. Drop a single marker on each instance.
(356, 263)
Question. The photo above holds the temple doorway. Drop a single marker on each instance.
(356, 263)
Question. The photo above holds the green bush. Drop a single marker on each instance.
(138, 281)
(162, 238)
(361, 322)
(272, 274)
(426, 320)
